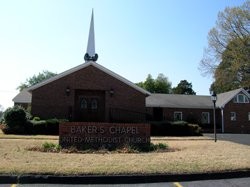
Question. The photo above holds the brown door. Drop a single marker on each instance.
(90, 106)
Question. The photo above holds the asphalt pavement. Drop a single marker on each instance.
(236, 138)
(239, 182)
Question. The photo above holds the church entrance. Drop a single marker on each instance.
(90, 105)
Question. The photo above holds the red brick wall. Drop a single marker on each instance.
(168, 114)
(241, 125)
(51, 101)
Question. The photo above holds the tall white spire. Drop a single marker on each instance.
(90, 54)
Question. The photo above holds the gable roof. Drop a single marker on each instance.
(224, 98)
(23, 97)
(179, 101)
(192, 101)
(85, 65)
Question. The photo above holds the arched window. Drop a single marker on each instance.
(94, 104)
(84, 104)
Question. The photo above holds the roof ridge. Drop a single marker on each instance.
(84, 65)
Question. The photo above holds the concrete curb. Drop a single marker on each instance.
(118, 179)
(8, 179)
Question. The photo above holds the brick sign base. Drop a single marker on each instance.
(84, 135)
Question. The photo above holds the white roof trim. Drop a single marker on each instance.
(230, 98)
(84, 65)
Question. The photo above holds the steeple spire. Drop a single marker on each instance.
(90, 54)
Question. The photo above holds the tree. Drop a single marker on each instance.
(159, 85)
(162, 84)
(36, 79)
(184, 87)
(1, 112)
(149, 84)
(229, 39)
(234, 70)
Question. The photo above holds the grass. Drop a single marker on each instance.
(193, 156)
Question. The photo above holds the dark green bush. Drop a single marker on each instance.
(16, 121)
(53, 126)
(15, 117)
(36, 118)
(177, 128)
(39, 127)
(51, 147)
(47, 127)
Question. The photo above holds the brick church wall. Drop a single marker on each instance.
(51, 100)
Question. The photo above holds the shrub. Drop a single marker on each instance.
(39, 127)
(177, 128)
(15, 120)
(36, 118)
(51, 147)
(15, 117)
(53, 126)
(46, 127)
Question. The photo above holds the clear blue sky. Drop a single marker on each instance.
(133, 38)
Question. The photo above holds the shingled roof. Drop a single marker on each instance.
(178, 101)
(191, 101)
(23, 97)
(224, 98)
(85, 65)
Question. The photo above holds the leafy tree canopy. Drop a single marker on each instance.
(159, 85)
(228, 52)
(234, 70)
(184, 87)
(36, 79)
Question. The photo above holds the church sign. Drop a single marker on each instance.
(83, 135)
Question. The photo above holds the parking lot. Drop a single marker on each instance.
(237, 138)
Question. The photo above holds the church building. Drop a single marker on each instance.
(89, 92)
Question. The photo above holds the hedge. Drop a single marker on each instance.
(177, 128)
(35, 127)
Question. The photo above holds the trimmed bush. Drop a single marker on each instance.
(177, 128)
(15, 120)
(15, 117)
(36, 118)
(46, 127)
(39, 127)
(53, 126)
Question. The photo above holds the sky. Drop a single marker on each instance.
(133, 38)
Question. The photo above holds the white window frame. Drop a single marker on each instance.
(175, 116)
(244, 97)
(233, 116)
(208, 117)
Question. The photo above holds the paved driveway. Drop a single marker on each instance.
(237, 138)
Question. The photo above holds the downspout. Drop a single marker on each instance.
(222, 120)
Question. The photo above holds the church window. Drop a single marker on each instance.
(177, 116)
(94, 104)
(84, 104)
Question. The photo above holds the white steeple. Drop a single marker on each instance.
(90, 54)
